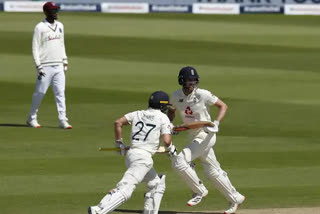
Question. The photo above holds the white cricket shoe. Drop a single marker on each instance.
(94, 210)
(64, 124)
(234, 206)
(33, 123)
(196, 198)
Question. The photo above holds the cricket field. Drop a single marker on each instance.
(264, 67)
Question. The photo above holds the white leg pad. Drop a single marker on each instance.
(116, 197)
(219, 177)
(154, 195)
(188, 175)
(223, 184)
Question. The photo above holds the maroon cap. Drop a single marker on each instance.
(50, 6)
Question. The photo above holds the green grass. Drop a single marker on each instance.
(265, 67)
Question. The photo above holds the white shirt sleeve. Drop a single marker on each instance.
(130, 117)
(210, 99)
(165, 126)
(36, 42)
(65, 59)
(172, 100)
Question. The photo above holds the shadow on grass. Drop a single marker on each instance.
(25, 126)
(13, 125)
(165, 212)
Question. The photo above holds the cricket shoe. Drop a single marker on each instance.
(94, 210)
(196, 198)
(234, 206)
(64, 124)
(33, 123)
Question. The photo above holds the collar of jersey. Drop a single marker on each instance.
(189, 98)
(50, 26)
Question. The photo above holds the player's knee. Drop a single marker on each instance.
(179, 163)
(152, 183)
(212, 172)
(157, 185)
(59, 93)
(39, 93)
(126, 189)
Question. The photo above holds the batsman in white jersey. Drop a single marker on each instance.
(147, 128)
(193, 104)
(50, 59)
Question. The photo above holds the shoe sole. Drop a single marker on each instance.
(190, 205)
(33, 126)
(238, 205)
(69, 127)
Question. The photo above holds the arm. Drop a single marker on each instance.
(168, 145)
(118, 127)
(64, 59)
(171, 113)
(166, 140)
(222, 110)
(36, 41)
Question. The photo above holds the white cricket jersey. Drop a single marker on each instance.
(146, 128)
(194, 107)
(48, 44)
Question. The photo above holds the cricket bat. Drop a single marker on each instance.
(161, 149)
(193, 125)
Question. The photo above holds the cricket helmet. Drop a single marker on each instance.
(159, 100)
(187, 72)
(50, 6)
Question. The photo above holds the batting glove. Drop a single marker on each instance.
(120, 144)
(214, 129)
(65, 67)
(40, 72)
(172, 150)
(173, 132)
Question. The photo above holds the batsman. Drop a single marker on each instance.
(147, 126)
(193, 104)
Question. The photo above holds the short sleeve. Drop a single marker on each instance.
(210, 98)
(130, 117)
(166, 125)
(172, 100)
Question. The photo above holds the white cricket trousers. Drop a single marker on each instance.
(139, 167)
(212, 169)
(54, 76)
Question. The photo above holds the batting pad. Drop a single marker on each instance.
(188, 175)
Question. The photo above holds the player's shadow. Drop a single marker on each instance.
(165, 212)
(13, 125)
(24, 126)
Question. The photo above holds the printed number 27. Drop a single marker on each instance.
(141, 124)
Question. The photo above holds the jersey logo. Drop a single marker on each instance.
(188, 111)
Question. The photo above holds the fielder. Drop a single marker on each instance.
(50, 59)
(193, 105)
(147, 127)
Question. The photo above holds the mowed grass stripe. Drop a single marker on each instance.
(245, 117)
(40, 147)
(67, 182)
(54, 166)
(191, 52)
(75, 95)
(79, 201)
